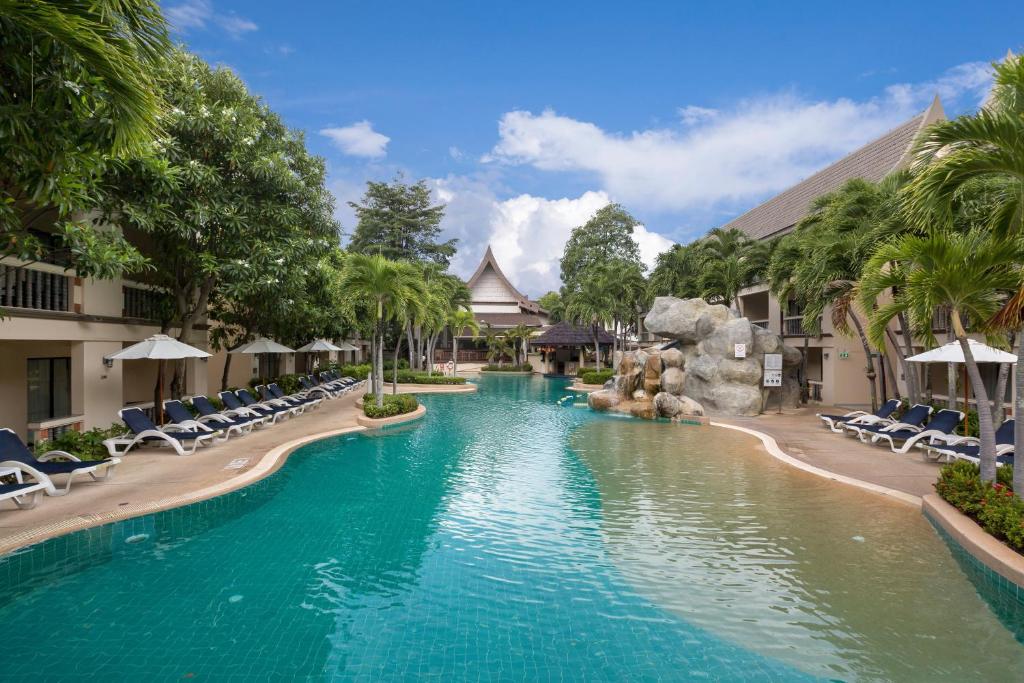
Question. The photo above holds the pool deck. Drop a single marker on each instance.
(803, 436)
(151, 476)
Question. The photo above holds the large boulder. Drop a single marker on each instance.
(743, 371)
(722, 341)
(602, 400)
(643, 409)
(672, 358)
(673, 380)
(677, 318)
(736, 399)
(670, 405)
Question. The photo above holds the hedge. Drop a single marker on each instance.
(596, 376)
(525, 367)
(993, 506)
(406, 377)
(394, 404)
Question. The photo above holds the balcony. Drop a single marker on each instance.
(145, 304)
(39, 290)
(793, 326)
(763, 324)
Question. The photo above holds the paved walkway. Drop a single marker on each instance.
(150, 475)
(803, 436)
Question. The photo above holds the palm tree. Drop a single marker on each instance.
(676, 272)
(729, 261)
(497, 346)
(519, 336)
(115, 41)
(964, 272)
(591, 305)
(393, 289)
(460, 321)
(984, 147)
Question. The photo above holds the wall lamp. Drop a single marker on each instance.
(108, 362)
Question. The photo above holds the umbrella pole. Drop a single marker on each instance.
(159, 392)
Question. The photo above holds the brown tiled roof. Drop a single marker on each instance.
(508, 319)
(567, 334)
(873, 162)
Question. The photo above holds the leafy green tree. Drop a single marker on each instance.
(77, 88)
(399, 221)
(519, 336)
(552, 303)
(460, 321)
(231, 203)
(963, 272)
(607, 236)
(953, 155)
(445, 293)
(392, 289)
(497, 346)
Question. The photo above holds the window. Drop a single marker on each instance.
(49, 388)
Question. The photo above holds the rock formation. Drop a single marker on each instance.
(700, 373)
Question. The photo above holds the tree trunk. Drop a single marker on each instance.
(997, 399)
(597, 351)
(226, 372)
(394, 367)
(912, 392)
(951, 376)
(914, 384)
(1018, 411)
(455, 355)
(869, 368)
(986, 430)
(892, 373)
(805, 381)
(414, 356)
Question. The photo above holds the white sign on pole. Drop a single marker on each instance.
(773, 378)
(740, 350)
(773, 361)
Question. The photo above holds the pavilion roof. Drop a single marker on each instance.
(567, 334)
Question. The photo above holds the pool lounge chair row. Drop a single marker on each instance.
(938, 437)
(41, 475)
(185, 432)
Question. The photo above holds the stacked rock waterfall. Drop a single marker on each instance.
(699, 373)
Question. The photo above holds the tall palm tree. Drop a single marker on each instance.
(729, 261)
(393, 288)
(964, 272)
(591, 305)
(676, 272)
(983, 147)
(519, 336)
(461, 320)
(497, 346)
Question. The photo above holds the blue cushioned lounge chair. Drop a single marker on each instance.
(912, 419)
(301, 398)
(227, 417)
(320, 391)
(943, 424)
(968, 447)
(232, 402)
(183, 441)
(247, 399)
(14, 453)
(861, 417)
(181, 417)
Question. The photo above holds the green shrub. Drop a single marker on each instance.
(596, 376)
(408, 377)
(525, 367)
(289, 383)
(993, 506)
(86, 445)
(394, 404)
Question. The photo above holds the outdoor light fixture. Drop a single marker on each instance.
(108, 362)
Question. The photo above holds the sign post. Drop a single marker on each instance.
(773, 374)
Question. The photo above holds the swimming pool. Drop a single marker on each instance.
(507, 537)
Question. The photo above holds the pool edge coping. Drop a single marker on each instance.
(773, 448)
(269, 463)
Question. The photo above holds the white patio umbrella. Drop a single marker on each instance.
(262, 345)
(345, 346)
(954, 353)
(318, 346)
(159, 347)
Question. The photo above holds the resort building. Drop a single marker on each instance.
(835, 362)
(496, 305)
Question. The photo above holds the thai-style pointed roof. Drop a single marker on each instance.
(567, 334)
(489, 260)
(873, 162)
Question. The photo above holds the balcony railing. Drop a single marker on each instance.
(36, 289)
(145, 304)
(763, 324)
(793, 326)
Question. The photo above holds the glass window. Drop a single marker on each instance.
(49, 388)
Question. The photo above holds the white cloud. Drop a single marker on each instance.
(200, 14)
(358, 140)
(528, 233)
(720, 158)
(456, 153)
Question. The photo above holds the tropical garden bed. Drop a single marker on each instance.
(394, 404)
(992, 505)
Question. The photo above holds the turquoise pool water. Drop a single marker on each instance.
(506, 537)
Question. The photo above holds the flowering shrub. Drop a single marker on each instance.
(993, 506)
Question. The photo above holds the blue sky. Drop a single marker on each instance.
(527, 117)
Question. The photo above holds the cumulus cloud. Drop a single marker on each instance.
(526, 232)
(720, 158)
(201, 15)
(358, 140)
